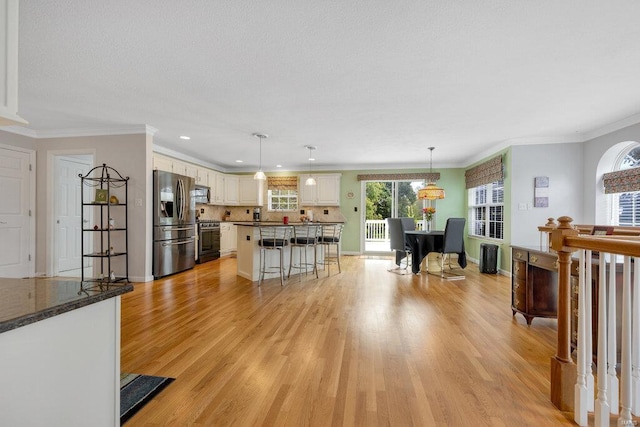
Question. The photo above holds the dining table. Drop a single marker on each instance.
(422, 243)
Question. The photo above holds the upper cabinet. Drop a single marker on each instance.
(250, 191)
(9, 64)
(216, 184)
(162, 163)
(231, 190)
(326, 192)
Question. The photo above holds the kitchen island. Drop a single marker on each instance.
(60, 353)
(249, 250)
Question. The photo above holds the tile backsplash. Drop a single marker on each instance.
(245, 213)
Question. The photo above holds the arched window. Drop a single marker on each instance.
(625, 206)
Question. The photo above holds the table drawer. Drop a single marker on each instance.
(548, 262)
(520, 270)
(521, 255)
(519, 296)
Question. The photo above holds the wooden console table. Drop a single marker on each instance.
(534, 283)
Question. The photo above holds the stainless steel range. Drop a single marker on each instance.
(208, 240)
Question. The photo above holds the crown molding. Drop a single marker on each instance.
(20, 130)
(612, 127)
(70, 133)
(177, 155)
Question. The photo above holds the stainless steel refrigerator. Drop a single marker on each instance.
(174, 231)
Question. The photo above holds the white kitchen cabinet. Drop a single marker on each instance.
(228, 238)
(216, 185)
(250, 191)
(191, 170)
(203, 176)
(231, 190)
(162, 163)
(326, 192)
(9, 64)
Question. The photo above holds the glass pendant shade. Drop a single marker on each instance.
(260, 175)
(310, 180)
(431, 191)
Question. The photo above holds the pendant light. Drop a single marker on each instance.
(431, 191)
(310, 180)
(260, 175)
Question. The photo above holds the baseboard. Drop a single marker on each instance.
(138, 279)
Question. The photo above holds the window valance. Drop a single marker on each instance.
(622, 181)
(485, 173)
(282, 182)
(431, 177)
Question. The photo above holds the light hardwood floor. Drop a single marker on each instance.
(364, 347)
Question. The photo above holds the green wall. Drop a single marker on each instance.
(453, 205)
(472, 244)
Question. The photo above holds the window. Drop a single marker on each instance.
(627, 204)
(486, 210)
(283, 200)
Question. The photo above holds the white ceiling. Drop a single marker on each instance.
(371, 83)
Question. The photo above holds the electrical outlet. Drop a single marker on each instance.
(138, 202)
(248, 238)
(355, 209)
(301, 211)
(326, 211)
(201, 210)
(247, 210)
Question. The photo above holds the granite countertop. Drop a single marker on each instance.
(279, 223)
(26, 301)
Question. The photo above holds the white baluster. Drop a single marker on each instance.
(612, 340)
(625, 355)
(588, 323)
(602, 409)
(635, 341)
(581, 397)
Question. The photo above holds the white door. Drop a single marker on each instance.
(67, 208)
(15, 230)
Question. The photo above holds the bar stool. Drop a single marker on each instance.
(273, 238)
(330, 236)
(304, 238)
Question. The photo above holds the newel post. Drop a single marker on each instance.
(563, 370)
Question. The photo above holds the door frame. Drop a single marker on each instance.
(51, 261)
(32, 203)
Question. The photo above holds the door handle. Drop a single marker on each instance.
(178, 229)
(178, 243)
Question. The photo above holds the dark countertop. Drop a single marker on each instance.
(26, 301)
(279, 223)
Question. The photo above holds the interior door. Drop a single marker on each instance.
(67, 205)
(15, 230)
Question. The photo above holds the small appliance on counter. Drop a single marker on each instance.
(256, 214)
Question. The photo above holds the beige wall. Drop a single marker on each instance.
(131, 155)
(16, 140)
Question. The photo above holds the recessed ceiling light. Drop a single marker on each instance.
(311, 159)
(278, 166)
(239, 161)
(185, 137)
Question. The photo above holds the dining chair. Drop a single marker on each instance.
(273, 239)
(453, 243)
(398, 242)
